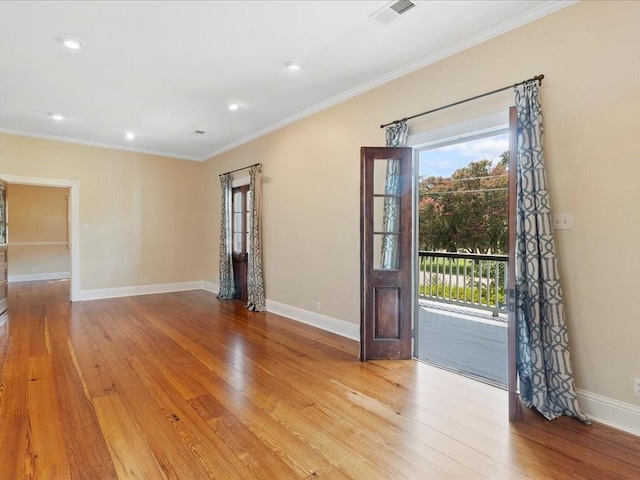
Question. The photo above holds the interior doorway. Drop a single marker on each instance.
(38, 233)
(73, 188)
(463, 255)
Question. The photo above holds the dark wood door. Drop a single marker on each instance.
(514, 404)
(240, 196)
(385, 255)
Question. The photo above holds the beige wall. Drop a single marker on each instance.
(37, 217)
(38, 259)
(143, 213)
(590, 55)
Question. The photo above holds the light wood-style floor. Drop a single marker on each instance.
(183, 386)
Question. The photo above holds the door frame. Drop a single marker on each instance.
(74, 220)
(515, 411)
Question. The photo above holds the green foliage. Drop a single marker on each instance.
(467, 211)
(477, 294)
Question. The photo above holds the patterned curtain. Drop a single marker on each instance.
(227, 285)
(542, 357)
(396, 137)
(3, 215)
(255, 284)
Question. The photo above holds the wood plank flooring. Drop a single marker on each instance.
(183, 386)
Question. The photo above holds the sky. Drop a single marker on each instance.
(443, 161)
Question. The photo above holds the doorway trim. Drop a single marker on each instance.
(74, 198)
(240, 181)
(460, 132)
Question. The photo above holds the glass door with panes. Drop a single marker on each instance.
(241, 204)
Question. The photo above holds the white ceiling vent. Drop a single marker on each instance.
(392, 11)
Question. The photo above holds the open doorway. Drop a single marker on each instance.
(462, 242)
(71, 187)
(38, 233)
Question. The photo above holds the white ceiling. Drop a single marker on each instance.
(165, 69)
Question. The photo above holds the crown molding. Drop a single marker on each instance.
(536, 13)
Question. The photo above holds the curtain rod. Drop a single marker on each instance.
(238, 169)
(537, 78)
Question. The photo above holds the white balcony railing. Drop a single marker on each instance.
(467, 279)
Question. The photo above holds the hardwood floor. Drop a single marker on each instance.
(183, 386)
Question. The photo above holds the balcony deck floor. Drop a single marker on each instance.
(464, 340)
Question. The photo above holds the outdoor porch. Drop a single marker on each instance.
(463, 340)
(462, 324)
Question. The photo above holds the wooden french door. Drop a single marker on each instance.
(514, 404)
(240, 199)
(385, 254)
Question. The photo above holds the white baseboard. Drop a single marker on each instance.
(138, 290)
(31, 277)
(614, 413)
(323, 322)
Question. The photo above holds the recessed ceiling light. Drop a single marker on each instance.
(294, 65)
(56, 116)
(233, 106)
(70, 42)
(130, 135)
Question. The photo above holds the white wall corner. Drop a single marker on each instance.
(211, 287)
(620, 415)
(323, 322)
(138, 290)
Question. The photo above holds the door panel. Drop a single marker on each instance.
(386, 259)
(514, 404)
(387, 312)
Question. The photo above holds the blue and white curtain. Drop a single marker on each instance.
(255, 283)
(3, 214)
(227, 284)
(396, 137)
(542, 352)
